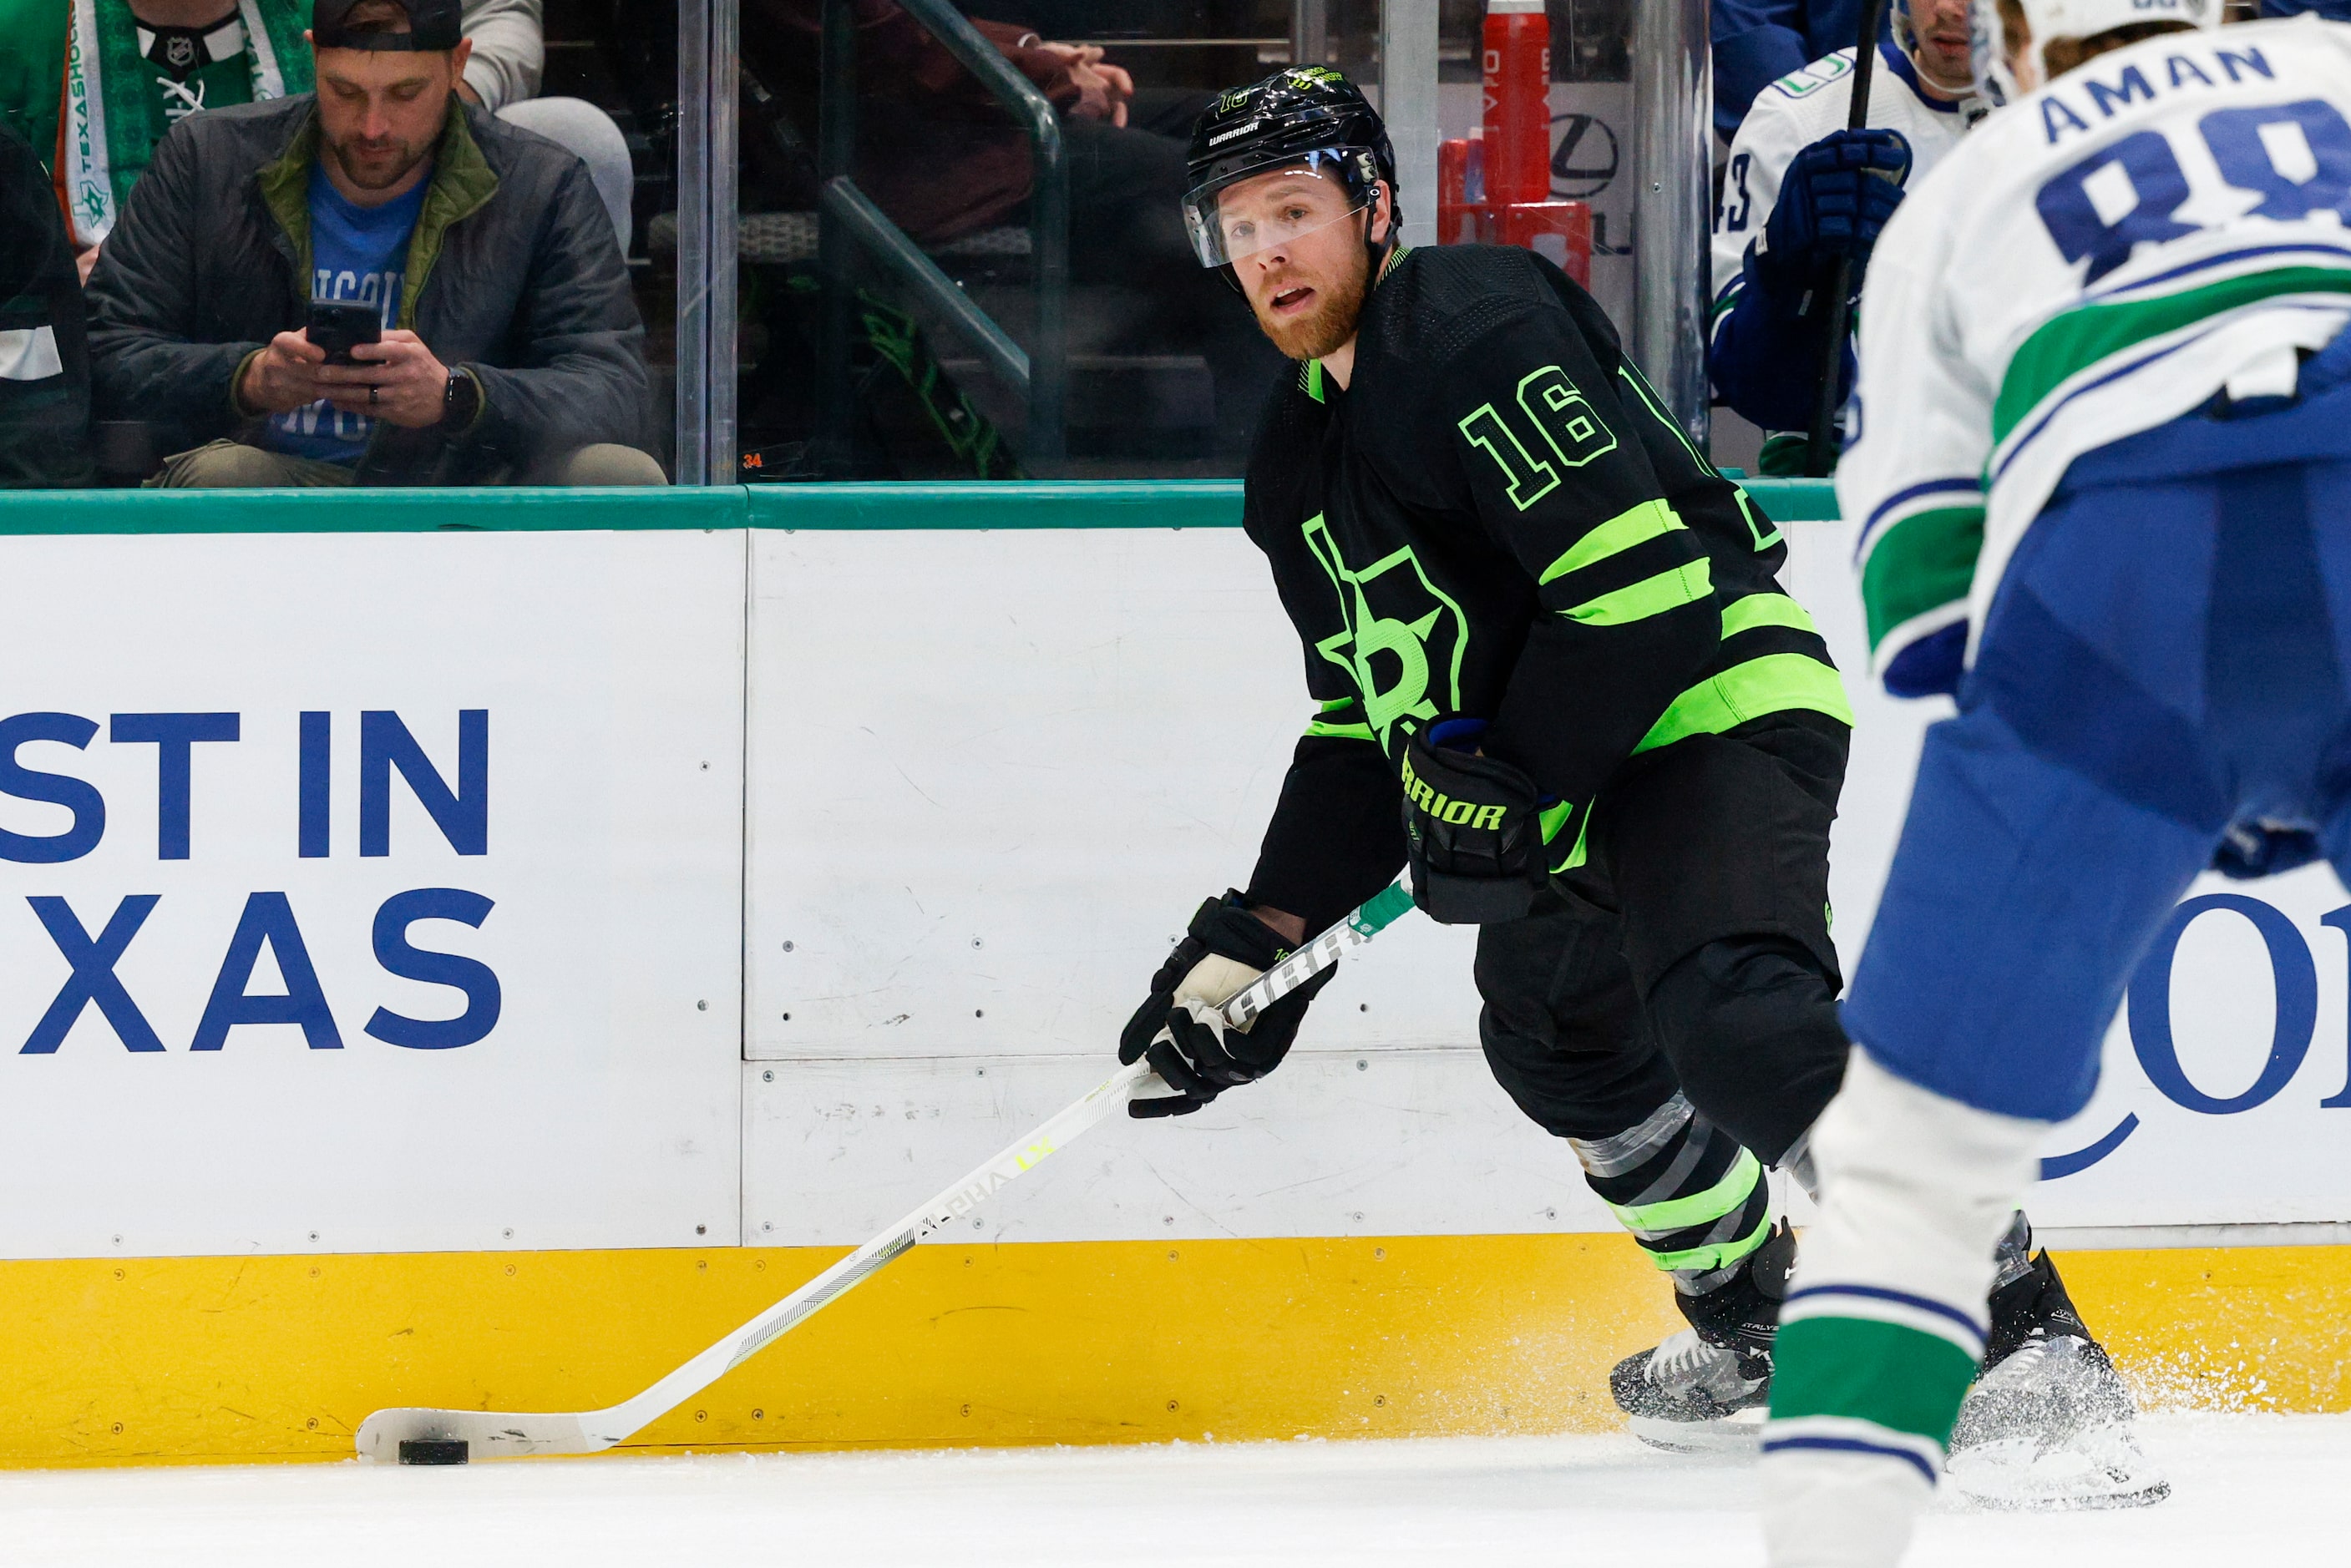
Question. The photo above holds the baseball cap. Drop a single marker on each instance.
(434, 25)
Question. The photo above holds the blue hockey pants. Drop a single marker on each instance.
(2165, 657)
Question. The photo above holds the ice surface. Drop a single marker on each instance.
(2248, 1490)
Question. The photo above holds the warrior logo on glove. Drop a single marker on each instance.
(1473, 827)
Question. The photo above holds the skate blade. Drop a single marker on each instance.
(1741, 1434)
(2096, 1469)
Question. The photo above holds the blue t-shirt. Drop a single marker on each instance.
(355, 253)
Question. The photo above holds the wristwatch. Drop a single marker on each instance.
(460, 403)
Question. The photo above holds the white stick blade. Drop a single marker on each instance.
(486, 1434)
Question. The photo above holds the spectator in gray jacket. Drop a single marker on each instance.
(510, 347)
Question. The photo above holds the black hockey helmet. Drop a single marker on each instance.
(1307, 117)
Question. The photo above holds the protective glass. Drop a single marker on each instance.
(1277, 202)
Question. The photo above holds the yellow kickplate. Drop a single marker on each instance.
(2223, 1328)
(194, 1359)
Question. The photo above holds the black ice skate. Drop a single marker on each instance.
(1705, 1389)
(2048, 1424)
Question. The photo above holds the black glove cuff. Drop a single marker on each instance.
(1452, 900)
(1464, 776)
(1226, 929)
(1791, 287)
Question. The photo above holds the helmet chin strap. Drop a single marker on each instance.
(1379, 250)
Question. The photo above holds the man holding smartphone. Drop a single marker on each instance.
(505, 344)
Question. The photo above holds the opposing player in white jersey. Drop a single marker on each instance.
(2103, 472)
(1801, 191)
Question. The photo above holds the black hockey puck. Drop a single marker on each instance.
(433, 1451)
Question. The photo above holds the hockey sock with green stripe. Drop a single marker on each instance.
(1696, 1202)
(1884, 1322)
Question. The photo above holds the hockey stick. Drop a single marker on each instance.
(419, 1436)
(1816, 442)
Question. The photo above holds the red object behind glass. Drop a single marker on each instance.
(1518, 101)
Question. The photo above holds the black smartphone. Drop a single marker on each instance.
(338, 325)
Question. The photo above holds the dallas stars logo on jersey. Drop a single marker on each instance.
(1402, 632)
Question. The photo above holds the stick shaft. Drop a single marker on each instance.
(1371, 918)
(498, 1434)
(944, 1207)
(1832, 369)
(1374, 916)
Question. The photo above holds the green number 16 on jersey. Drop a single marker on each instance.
(1571, 431)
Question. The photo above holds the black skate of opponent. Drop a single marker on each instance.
(2047, 1427)
(2048, 1424)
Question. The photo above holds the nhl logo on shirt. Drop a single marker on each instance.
(179, 51)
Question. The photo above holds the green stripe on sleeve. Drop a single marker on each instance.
(1685, 584)
(1340, 732)
(1903, 1379)
(1720, 1255)
(1725, 1197)
(1575, 856)
(1924, 561)
(1620, 533)
(1554, 819)
(1775, 683)
(2078, 339)
(1765, 609)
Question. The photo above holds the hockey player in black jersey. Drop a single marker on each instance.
(1559, 681)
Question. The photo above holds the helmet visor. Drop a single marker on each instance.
(1277, 202)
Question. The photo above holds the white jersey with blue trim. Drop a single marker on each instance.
(1796, 111)
(2164, 222)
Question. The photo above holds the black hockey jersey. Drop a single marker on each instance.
(1498, 518)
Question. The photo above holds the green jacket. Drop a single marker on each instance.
(32, 71)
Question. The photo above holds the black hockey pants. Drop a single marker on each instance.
(1672, 1003)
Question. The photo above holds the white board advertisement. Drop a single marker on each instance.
(1062, 741)
(367, 892)
(399, 891)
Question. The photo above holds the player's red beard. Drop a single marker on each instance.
(1333, 320)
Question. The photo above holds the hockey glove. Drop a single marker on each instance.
(1178, 1027)
(1473, 828)
(2249, 850)
(1834, 201)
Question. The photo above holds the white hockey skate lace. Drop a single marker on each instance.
(2022, 1365)
(1686, 1359)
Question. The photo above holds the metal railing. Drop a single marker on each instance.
(848, 221)
(706, 242)
(1673, 199)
